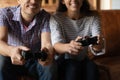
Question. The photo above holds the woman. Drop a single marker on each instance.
(74, 21)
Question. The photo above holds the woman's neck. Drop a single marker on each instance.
(73, 15)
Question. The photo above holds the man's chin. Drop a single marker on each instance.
(32, 12)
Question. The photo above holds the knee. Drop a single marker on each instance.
(2, 61)
(52, 68)
(49, 69)
(48, 72)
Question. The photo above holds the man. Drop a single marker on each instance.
(23, 28)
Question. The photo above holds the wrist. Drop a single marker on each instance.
(96, 50)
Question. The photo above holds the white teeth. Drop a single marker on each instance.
(32, 6)
(74, 5)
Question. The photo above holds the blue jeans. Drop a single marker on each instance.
(78, 70)
(32, 68)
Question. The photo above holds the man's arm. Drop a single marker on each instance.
(10, 51)
(46, 45)
(46, 40)
(4, 47)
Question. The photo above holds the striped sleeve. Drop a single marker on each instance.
(96, 27)
(56, 35)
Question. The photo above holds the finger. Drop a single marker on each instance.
(17, 62)
(24, 48)
(19, 57)
(78, 47)
(77, 44)
(74, 44)
(74, 50)
(78, 38)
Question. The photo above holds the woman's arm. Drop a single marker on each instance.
(98, 49)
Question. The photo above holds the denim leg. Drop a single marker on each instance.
(78, 70)
(40, 72)
(7, 71)
(71, 70)
(92, 71)
(31, 67)
(1, 66)
(47, 72)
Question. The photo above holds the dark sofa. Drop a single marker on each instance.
(109, 64)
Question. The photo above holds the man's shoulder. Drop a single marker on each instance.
(8, 10)
(43, 16)
(44, 13)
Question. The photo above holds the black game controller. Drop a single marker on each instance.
(88, 41)
(38, 55)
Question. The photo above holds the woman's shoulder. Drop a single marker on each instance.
(91, 18)
(58, 14)
(93, 14)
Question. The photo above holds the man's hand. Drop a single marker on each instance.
(50, 56)
(15, 55)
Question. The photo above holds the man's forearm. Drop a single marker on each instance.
(4, 48)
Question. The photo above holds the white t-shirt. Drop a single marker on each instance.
(64, 29)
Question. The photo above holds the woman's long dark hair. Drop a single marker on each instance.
(85, 8)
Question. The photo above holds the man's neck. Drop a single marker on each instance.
(27, 19)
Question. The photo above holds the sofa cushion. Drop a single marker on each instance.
(110, 22)
(112, 64)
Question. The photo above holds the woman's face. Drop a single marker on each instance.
(73, 5)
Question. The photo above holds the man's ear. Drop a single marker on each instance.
(18, 1)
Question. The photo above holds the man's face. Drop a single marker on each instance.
(30, 7)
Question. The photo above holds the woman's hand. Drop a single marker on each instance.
(74, 47)
(100, 44)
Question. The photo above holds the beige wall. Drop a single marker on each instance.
(49, 7)
(6, 3)
(93, 3)
(105, 4)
